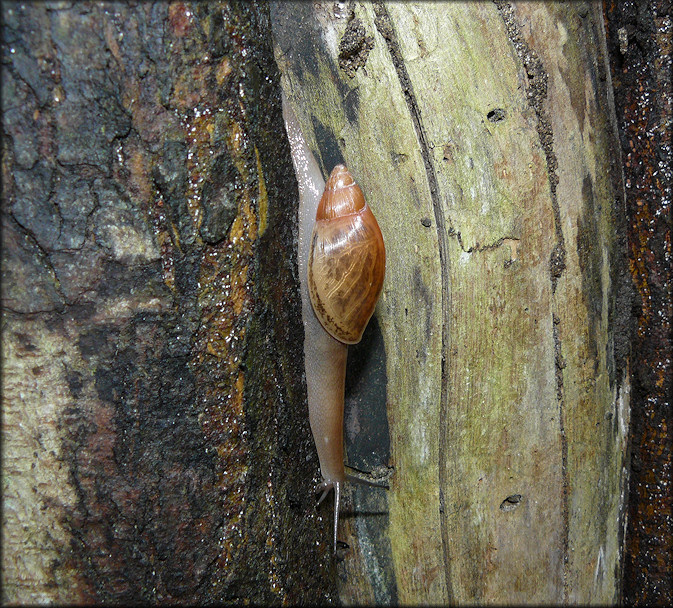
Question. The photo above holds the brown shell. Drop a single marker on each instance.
(347, 260)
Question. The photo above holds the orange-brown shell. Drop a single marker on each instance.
(347, 260)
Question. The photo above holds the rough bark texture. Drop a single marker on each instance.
(639, 35)
(155, 444)
(484, 136)
(155, 440)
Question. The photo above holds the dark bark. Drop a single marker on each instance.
(155, 437)
(639, 38)
(148, 210)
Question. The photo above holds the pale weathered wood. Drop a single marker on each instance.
(483, 138)
(595, 394)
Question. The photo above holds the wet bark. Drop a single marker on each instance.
(639, 37)
(155, 438)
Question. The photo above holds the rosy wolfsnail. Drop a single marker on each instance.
(341, 269)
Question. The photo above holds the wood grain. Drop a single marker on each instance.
(483, 138)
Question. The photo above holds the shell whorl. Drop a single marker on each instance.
(342, 195)
(347, 259)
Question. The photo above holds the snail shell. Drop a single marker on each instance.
(347, 260)
(332, 229)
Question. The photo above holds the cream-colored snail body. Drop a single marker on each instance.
(341, 269)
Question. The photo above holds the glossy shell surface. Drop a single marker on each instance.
(347, 259)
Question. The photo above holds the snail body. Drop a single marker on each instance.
(341, 260)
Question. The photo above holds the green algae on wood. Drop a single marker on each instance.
(469, 163)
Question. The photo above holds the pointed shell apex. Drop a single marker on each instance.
(342, 195)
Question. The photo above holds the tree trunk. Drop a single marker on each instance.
(156, 446)
(155, 442)
(495, 377)
(640, 50)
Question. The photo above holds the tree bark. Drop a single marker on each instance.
(155, 441)
(484, 137)
(156, 446)
(639, 38)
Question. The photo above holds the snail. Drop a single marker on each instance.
(341, 268)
